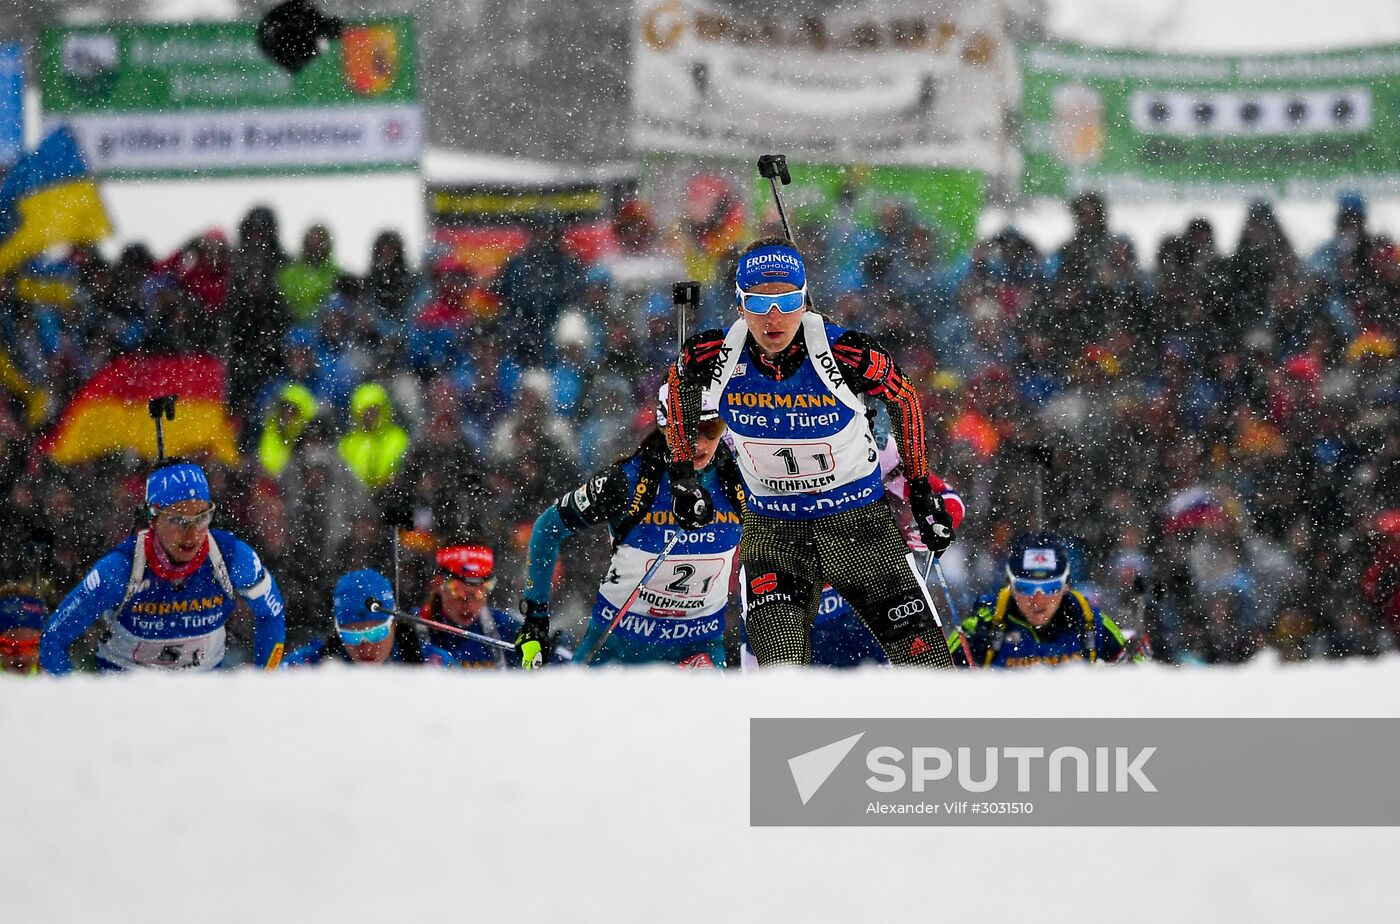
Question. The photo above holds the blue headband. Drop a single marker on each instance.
(774, 263)
(176, 483)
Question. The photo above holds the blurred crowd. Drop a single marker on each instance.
(1216, 433)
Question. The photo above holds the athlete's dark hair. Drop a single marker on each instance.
(651, 442)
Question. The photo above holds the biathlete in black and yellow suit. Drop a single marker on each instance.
(791, 387)
(1037, 618)
(678, 616)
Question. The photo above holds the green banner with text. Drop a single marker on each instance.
(1146, 125)
(183, 99)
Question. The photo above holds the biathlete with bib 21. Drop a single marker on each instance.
(678, 615)
(790, 385)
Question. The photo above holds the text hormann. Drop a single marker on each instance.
(747, 399)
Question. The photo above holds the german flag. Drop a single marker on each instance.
(109, 413)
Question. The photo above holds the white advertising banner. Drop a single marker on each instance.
(879, 83)
(236, 140)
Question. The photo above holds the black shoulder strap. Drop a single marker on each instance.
(653, 466)
(410, 642)
(999, 622)
(335, 649)
(1090, 641)
(730, 480)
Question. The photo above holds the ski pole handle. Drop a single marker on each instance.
(162, 407)
(773, 168)
(685, 295)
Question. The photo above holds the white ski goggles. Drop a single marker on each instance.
(758, 303)
(1049, 587)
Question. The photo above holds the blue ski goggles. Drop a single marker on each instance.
(785, 302)
(1030, 588)
(370, 636)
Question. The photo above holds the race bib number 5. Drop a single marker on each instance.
(174, 655)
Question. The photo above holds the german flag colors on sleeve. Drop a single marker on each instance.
(109, 414)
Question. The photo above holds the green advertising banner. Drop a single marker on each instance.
(949, 200)
(1143, 125)
(180, 99)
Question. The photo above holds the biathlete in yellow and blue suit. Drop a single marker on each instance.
(1037, 618)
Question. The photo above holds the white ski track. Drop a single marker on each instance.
(343, 794)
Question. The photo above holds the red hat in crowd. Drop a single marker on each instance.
(1387, 523)
(1305, 369)
(473, 564)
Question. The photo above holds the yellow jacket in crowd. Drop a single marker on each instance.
(375, 446)
(286, 420)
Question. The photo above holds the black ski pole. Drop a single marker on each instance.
(632, 598)
(685, 295)
(162, 407)
(774, 168)
(1140, 591)
(932, 564)
(396, 562)
(374, 606)
(1148, 591)
(1044, 459)
(397, 511)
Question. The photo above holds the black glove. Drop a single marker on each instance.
(533, 637)
(931, 516)
(691, 503)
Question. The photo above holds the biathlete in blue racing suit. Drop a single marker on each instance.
(362, 636)
(163, 597)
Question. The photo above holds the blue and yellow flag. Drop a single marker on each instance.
(49, 198)
(50, 282)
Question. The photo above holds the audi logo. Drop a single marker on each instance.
(904, 610)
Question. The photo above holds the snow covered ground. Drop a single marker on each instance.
(394, 795)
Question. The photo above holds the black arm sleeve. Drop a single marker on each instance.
(730, 478)
(601, 498)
